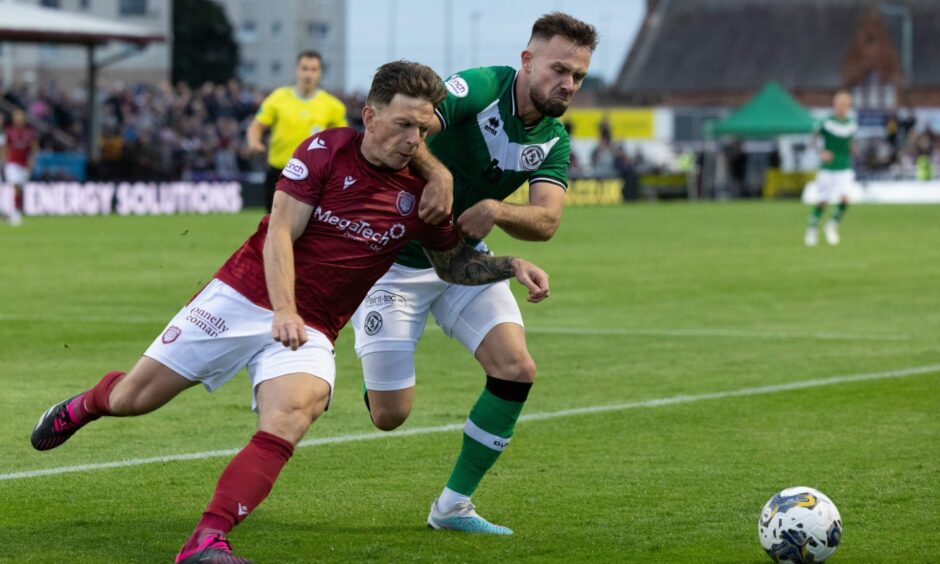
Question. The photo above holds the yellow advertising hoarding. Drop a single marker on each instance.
(581, 192)
(624, 123)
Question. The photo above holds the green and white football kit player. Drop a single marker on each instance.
(491, 152)
(835, 181)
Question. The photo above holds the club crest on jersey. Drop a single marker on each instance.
(295, 169)
(406, 202)
(171, 334)
(532, 156)
(457, 86)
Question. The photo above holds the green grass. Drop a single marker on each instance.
(649, 301)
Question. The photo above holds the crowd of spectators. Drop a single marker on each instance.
(907, 150)
(178, 132)
(151, 132)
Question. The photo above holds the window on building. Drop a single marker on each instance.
(133, 8)
(247, 32)
(247, 69)
(84, 4)
(318, 32)
(50, 4)
(275, 67)
(275, 29)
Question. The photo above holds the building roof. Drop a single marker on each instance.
(688, 46)
(26, 23)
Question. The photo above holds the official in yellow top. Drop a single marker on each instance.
(293, 113)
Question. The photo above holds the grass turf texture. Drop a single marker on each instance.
(667, 300)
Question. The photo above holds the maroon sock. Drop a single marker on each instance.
(243, 485)
(94, 402)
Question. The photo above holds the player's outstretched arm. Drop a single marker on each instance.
(536, 221)
(463, 265)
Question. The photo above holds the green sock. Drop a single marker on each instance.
(839, 211)
(814, 216)
(487, 432)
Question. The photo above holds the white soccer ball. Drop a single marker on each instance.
(799, 525)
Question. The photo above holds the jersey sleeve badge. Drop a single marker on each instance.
(295, 169)
(457, 86)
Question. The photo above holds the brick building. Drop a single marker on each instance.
(720, 52)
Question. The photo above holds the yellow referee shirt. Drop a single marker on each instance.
(292, 119)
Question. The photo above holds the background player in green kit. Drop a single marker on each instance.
(497, 130)
(835, 181)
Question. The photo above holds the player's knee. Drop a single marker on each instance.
(291, 418)
(291, 422)
(520, 368)
(389, 419)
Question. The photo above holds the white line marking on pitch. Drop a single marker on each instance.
(834, 380)
(627, 331)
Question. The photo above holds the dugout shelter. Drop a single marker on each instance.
(25, 23)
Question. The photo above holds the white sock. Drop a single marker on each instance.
(449, 499)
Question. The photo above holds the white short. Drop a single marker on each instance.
(831, 186)
(394, 313)
(220, 331)
(15, 174)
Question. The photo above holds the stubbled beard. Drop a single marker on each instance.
(546, 107)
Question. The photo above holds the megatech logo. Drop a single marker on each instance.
(360, 230)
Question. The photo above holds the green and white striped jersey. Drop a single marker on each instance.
(837, 137)
(490, 152)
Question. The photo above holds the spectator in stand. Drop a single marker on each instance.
(604, 157)
(924, 152)
(294, 113)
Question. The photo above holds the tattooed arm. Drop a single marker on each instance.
(463, 265)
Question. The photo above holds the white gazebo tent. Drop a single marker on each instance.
(26, 23)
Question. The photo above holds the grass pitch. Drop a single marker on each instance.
(690, 302)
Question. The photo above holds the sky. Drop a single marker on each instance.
(477, 33)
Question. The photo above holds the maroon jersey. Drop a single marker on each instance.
(362, 216)
(19, 144)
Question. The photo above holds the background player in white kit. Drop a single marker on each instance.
(326, 241)
(835, 181)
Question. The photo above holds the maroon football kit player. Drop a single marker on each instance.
(362, 217)
(21, 140)
(344, 206)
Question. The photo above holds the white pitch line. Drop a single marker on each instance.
(341, 439)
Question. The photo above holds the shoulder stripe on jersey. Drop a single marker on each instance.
(535, 179)
(513, 95)
(440, 118)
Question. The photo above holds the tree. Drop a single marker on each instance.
(204, 48)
